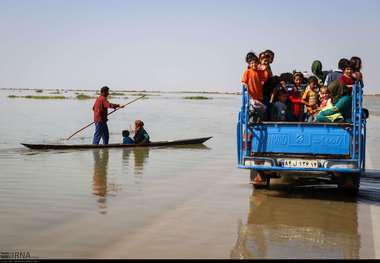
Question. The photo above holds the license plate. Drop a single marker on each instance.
(300, 163)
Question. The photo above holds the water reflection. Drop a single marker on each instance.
(141, 155)
(99, 186)
(299, 224)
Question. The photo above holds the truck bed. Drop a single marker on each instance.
(301, 138)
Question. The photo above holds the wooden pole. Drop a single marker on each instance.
(88, 125)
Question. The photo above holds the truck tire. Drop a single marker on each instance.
(259, 180)
(349, 183)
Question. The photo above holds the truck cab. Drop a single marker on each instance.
(333, 152)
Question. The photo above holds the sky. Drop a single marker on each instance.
(178, 45)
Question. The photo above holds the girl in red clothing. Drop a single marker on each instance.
(347, 78)
(296, 98)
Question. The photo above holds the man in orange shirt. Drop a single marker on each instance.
(252, 82)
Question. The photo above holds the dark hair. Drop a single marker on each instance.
(264, 55)
(104, 89)
(251, 57)
(349, 64)
(342, 64)
(297, 74)
(287, 77)
(357, 62)
(312, 79)
(125, 133)
(268, 51)
(281, 92)
(270, 85)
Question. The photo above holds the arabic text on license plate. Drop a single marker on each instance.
(301, 163)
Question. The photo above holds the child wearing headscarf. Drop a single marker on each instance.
(141, 136)
(316, 69)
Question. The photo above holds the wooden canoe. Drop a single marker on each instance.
(115, 145)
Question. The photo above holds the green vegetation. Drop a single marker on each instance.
(44, 97)
(37, 97)
(139, 94)
(197, 98)
(83, 97)
(117, 93)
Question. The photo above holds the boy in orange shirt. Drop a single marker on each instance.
(252, 82)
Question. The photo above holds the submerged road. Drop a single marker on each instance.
(180, 203)
(330, 225)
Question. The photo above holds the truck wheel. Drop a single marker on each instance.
(349, 183)
(260, 180)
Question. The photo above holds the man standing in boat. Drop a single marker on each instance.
(100, 116)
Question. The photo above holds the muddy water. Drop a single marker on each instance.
(182, 202)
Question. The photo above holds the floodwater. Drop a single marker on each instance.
(179, 202)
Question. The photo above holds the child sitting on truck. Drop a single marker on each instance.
(326, 104)
(324, 97)
(347, 78)
(263, 69)
(279, 110)
(251, 81)
(296, 98)
(340, 108)
(310, 98)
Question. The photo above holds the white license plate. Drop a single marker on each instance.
(300, 163)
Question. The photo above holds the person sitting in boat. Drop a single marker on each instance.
(100, 116)
(126, 138)
(141, 136)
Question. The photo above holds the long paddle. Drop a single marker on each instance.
(68, 138)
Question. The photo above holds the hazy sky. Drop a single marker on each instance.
(178, 45)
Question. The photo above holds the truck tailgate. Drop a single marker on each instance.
(301, 138)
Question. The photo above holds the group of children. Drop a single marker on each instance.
(325, 96)
(141, 136)
(291, 107)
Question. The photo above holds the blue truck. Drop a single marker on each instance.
(331, 152)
